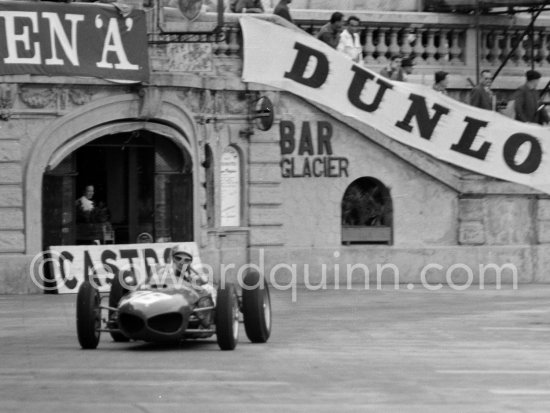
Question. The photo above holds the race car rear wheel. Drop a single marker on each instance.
(227, 317)
(116, 293)
(88, 316)
(256, 308)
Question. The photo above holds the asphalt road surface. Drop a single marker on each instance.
(330, 351)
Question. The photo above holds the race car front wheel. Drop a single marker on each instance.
(256, 308)
(227, 317)
(88, 316)
(116, 293)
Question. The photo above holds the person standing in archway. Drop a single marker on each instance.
(85, 205)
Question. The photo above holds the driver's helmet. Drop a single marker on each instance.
(179, 253)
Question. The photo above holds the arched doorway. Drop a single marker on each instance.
(142, 183)
(367, 212)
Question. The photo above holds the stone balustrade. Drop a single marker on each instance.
(436, 42)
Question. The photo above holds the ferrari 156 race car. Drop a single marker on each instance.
(174, 310)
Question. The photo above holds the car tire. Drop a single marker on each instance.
(88, 316)
(116, 293)
(256, 308)
(227, 317)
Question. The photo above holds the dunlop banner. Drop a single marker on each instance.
(482, 141)
(76, 39)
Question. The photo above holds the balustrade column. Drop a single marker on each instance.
(507, 44)
(406, 48)
(538, 43)
(369, 48)
(419, 47)
(483, 48)
(381, 47)
(543, 53)
(430, 47)
(455, 51)
(532, 51)
(520, 51)
(443, 50)
(394, 47)
(495, 49)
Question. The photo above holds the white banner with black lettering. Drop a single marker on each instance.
(482, 141)
(71, 265)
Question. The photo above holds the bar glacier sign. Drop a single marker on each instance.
(77, 39)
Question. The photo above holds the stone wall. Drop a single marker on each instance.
(497, 220)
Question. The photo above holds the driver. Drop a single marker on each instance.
(181, 264)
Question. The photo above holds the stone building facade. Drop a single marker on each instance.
(180, 130)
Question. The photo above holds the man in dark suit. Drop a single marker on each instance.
(282, 9)
(527, 106)
(482, 96)
(330, 32)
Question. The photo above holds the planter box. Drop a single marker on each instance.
(364, 234)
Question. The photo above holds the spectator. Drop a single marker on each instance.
(249, 6)
(407, 66)
(349, 43)
(330, 32)
(281, 9)
(393, 70)
(526, 100)
(85, 205)
(482, 96)
(441, 82)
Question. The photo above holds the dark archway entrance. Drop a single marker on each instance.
(142, 181)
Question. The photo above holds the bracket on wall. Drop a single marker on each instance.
(260, 114)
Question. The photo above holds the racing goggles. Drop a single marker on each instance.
(182, 258)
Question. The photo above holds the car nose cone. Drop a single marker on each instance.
(154, 315)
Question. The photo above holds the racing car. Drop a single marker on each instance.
(173, 310)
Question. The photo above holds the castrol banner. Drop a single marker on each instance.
(482, 141)
(65, 267)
